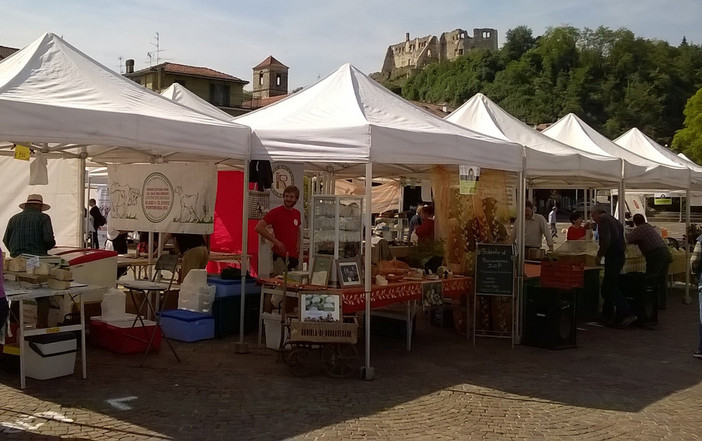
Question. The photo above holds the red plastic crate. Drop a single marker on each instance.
(121, 338)
(563, 275)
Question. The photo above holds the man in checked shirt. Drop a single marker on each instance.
(656, 252)
(30, 232)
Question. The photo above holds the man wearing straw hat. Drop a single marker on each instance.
(30, 232)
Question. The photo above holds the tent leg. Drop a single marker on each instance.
(241, 347)
(368, 372)
(687, 299)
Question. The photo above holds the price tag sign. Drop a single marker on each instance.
(32, 263)
(22, 152)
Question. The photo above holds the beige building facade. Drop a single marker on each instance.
(217, 88)
(412, 54)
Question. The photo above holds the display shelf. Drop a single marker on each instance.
(337, 226)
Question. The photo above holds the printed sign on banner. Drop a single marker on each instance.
(468, 178)
(173, 198)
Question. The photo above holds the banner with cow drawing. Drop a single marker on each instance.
(173, 198)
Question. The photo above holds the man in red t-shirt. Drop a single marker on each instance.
(286, 222)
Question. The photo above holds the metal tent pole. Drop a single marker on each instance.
(240, 347)
(368, 372)
(687, 299)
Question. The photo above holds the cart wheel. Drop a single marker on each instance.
(300, 362)
(340, 360)
(283, 354)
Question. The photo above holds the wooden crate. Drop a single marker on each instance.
(323, 332)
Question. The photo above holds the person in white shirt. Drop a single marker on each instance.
(552, 221)
(535, 229)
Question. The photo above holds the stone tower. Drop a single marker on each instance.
(270, 78)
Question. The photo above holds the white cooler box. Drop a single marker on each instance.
(50, 355)
(94, 267)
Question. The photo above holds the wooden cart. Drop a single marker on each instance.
(333, 344)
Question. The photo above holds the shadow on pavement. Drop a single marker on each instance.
(215, 393)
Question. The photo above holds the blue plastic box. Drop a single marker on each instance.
(188, 326)
(227, 288)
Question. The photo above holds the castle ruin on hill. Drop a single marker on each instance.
(412, 54)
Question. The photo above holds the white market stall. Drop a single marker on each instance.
(349, 123)
(66, 106)
(637, 142)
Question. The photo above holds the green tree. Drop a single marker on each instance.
(688, 140)
(611, 78)
(518, 41)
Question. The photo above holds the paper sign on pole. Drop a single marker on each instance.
(468, 178)
(662, 199)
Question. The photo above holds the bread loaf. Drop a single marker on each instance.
(61, 274)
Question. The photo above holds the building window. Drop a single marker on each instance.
(278, 79)
(429, 53)
(219, 95)
(460, 52)
(260, 79)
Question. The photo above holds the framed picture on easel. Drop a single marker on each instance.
(321, 268)
(348, 272)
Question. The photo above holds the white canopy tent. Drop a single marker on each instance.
(548, 162)
(637, 142)
(181, 95)
(348, 121)
(65, 105)
(638, 172)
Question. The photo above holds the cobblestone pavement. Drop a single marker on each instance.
(617, 384)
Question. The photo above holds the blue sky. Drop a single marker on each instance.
(313, 37)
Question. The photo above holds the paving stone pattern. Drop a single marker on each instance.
(617, 384)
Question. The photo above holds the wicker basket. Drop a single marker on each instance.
(259, 202)
(324, 332)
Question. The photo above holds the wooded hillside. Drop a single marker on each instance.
(614, 80)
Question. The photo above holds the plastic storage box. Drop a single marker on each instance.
(120, 337)
(50, 355)
(188, 326)
(227, 306)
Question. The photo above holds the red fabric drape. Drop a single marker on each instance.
(227, 222)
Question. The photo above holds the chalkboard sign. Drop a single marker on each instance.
(494, 269)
